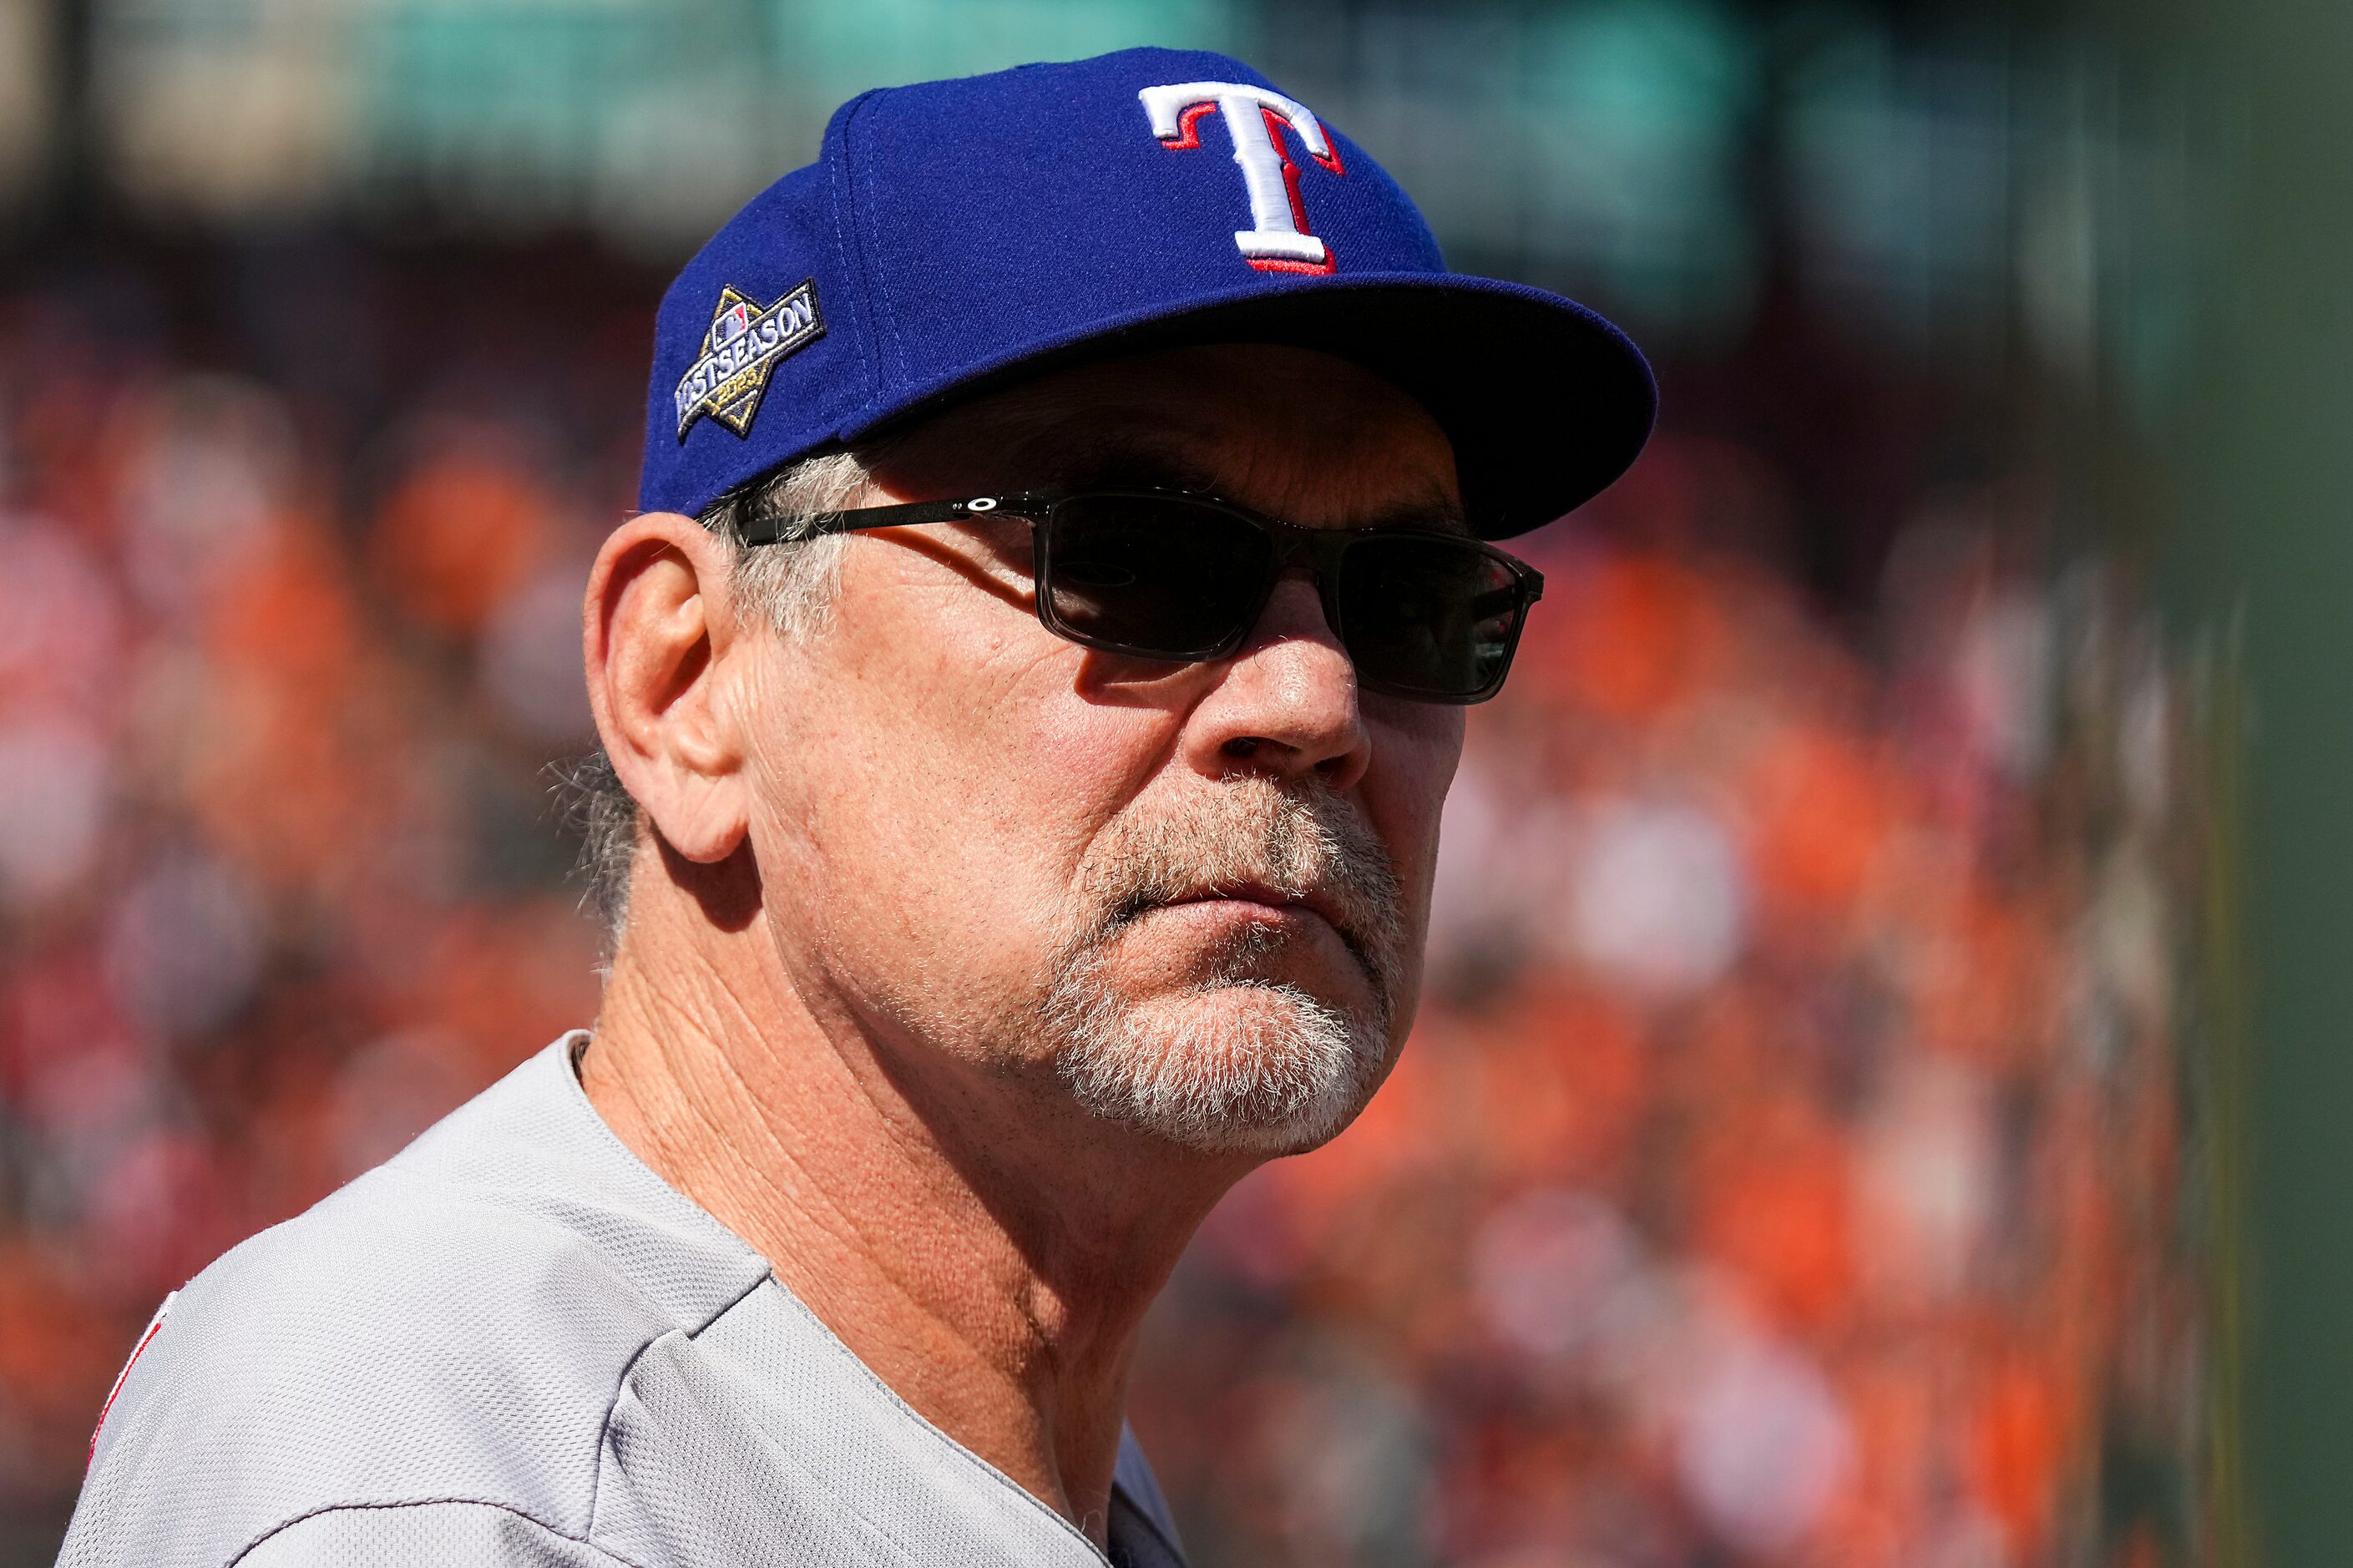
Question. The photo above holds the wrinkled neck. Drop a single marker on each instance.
(982, 1246)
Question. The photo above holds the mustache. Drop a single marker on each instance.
(1305, 842)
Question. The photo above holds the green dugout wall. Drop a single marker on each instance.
(2263, 544)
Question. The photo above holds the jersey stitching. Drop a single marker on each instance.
(621, 1387)
(878, 1535)
(283, 1525)
(874, 1532)
(972, 1460)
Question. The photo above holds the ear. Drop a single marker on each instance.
(662, 646)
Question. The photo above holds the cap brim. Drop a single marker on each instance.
(1546, 402)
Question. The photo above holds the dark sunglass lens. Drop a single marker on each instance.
(1429, 617)
(1156, 575)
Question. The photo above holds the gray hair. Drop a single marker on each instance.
(790, 586)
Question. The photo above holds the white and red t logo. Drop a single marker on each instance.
(1278, 239)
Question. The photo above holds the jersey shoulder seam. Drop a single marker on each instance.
(621, 1387)
(283, 1525)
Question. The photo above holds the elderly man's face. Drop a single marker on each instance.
(1193, 896)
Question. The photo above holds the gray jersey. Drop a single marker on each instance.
(515, 1345)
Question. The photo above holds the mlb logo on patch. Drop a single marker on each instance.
(747, 342)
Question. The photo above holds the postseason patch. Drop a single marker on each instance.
(746, 340)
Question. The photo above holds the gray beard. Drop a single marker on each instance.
(1273, 1072)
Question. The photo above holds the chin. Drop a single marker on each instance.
(1242, 1067)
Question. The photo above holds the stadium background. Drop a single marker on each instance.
(1828, 1138)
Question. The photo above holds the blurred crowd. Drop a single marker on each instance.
(1787, 1167)
(281, 666)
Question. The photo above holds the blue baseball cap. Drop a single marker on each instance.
(954, 236)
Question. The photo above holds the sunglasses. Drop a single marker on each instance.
(1165, 574)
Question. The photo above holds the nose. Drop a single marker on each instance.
(1286, 705)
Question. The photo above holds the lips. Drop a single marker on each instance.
(1314, 901)
(1254, 842)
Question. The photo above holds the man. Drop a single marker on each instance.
(1028, 698)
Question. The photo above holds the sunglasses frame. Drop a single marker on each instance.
(1320, 550)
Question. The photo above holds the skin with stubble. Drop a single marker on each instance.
(966, 968)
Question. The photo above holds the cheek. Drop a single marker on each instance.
(1416, 748)
(932, 805)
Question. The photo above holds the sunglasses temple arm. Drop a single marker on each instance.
(792, 530)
